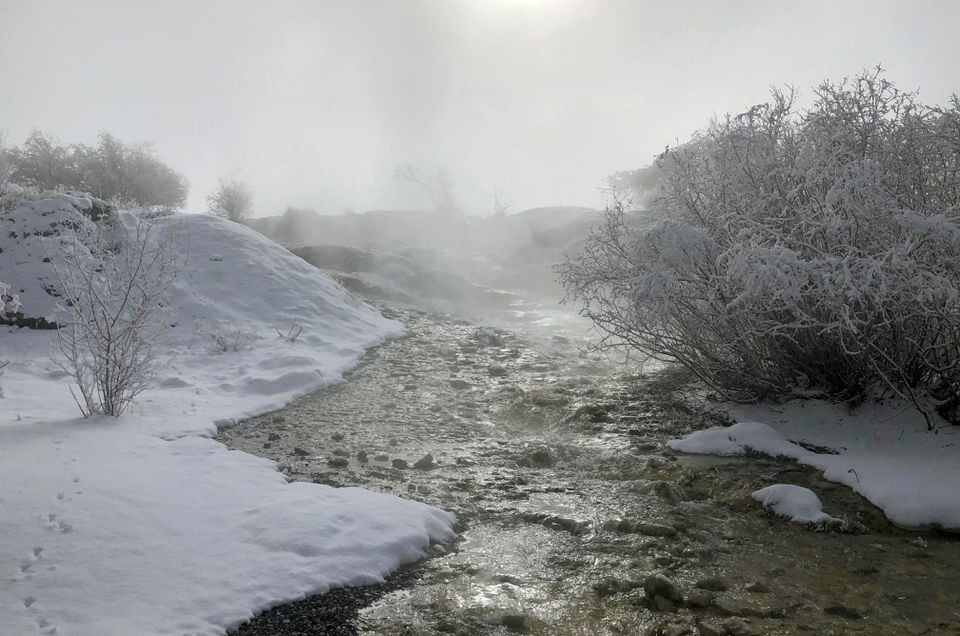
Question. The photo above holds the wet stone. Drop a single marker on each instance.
(659, 585)
(382, 457)
(302, 452)
(273, 437)
(713, 584)
(700, 598)
(758, 587)
(424, 463)
(843, 611)
(362, 457)
(338, 462)
(400, 463)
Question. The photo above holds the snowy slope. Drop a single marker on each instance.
(140, 525)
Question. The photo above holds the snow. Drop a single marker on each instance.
(793, 502)
(142, 524)
(881, 450)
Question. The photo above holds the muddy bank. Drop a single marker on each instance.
(569, 503)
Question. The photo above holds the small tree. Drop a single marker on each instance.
(231, 200)
(111, 278)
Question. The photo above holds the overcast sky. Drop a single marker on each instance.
(315, 103)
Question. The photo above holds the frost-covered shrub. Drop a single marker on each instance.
(785, 250)
(111, 276)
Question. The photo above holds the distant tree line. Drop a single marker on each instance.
(121, 172)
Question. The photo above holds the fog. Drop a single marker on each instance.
(315, 104)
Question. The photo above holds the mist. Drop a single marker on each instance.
(315, 104)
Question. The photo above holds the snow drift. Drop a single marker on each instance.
(142, 525)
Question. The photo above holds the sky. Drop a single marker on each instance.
(315, 103)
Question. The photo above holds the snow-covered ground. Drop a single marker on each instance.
(881, 450)
(141, 524)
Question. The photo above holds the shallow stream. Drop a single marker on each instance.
(567, 501)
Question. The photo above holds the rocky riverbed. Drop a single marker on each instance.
(573, 517)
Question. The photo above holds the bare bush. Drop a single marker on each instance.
(111, 278)
(785, 251)
(292, 333)
(231, 341)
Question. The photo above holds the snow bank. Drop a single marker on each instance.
(882, 451)
(140, 525)
(793, 502)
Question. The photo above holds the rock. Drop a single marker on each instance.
(738, 627)
(460, 385)
(382, 457)
(362, 457)
(400, 463)
(517, 623)
(424, 463)
(302, 452)
(496, 371)
(713, 583)
(338, 462)
(758, 587)
(700, 598)
(843, 611)
(659, 585)
(610, 586)
(668, 491)
(539, 457)
(341, 453)
(728, 606)
(273, 437)
(711, 629)
(283, 466)
(654, 529)
(337, 437)
(663, 604)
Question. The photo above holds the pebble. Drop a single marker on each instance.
(338, 462)
(302, 452)
(400, 463)
(758, 587)
(362, 457)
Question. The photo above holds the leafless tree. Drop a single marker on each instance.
(111, 277)
(232, 200)
(438, 186)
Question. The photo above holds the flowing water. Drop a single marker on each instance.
(567, 500)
